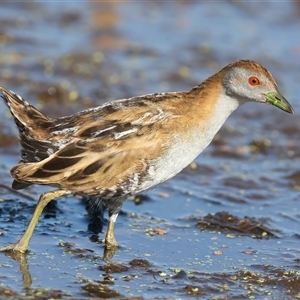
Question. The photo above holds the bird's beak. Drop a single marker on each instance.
(276, 99)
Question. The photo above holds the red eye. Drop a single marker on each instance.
(253, 80)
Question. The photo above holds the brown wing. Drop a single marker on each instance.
(82, 167)
(103, 155)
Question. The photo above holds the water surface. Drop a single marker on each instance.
(227, 227)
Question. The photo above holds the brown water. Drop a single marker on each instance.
(227, 227)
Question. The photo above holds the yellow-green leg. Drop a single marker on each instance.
(45, 198)
(110, 240)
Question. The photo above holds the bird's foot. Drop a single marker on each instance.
(110, 242)
(109, 253)
(20, 247)
(110, 247)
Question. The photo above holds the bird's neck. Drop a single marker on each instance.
(210, 108)
(212, 105)
(225, 106)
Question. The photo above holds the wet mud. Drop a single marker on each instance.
(226, 227)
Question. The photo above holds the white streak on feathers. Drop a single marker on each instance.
(65, 131)
(118, 135)
(94, 134)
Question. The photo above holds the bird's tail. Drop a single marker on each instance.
(34, 129)
(27, 118)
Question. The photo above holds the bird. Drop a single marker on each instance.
(127, 146)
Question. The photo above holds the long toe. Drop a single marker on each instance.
(14, 247)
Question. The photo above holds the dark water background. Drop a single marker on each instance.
(231, 219)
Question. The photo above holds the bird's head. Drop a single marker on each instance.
(247, 80)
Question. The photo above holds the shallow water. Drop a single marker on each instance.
(227, 226)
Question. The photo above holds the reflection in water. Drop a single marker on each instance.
(21, 258)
